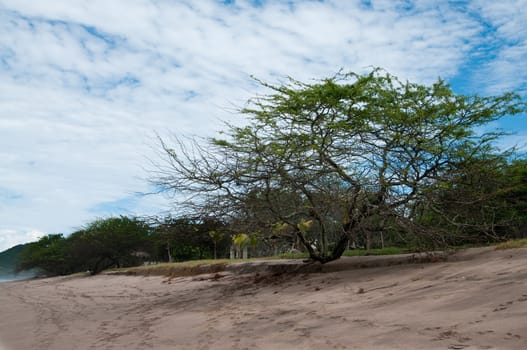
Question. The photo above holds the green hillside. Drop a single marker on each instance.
(8, 259)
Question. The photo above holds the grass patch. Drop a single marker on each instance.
(182, 264)
(354, 252)
(180, 269)
(196, 267)
(380, 251)
(290, 256)
(516, 243)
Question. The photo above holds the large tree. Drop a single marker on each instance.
(333, 159)
(111, 242)
(49, 255)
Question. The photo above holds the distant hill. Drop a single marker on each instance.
(8, 259)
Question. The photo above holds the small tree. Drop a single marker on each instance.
(240, 245)
(216, 237)
(339, 153)
(187, 238)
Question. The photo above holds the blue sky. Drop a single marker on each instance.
(85, 85)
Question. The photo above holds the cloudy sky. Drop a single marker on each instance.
(85, 85)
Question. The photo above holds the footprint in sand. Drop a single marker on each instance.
(303, 331)
(512, 336)
(332, 345)
(503, 306)
(458, 346)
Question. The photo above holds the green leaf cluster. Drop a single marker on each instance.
(357, 155)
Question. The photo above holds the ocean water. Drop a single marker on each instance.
(7, 279)
(14, 278)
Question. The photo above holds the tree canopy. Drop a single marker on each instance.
(111, 242)
(49, 254)
(123, 241)
(349, 154)
(104, 243)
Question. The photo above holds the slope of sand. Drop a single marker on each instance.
(476, 300)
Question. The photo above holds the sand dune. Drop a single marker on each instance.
(476, 300)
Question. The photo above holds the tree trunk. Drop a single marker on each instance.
(324, 244)
(368, 239)
(170, 258)
(336, 253)
(340, 247)
(245, 253)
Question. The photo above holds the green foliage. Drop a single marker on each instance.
(355, 155)
(240, 239)
(50, 254)
(517, 243)
(293, 255)
(353, 252)
(112, 242)
(516, 193)
(216, 237)
(104, 243)
(189, 239)
(279, 227)
(484, 200)
(304, 226)
(9, 258)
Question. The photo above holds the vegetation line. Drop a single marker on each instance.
(346, 165)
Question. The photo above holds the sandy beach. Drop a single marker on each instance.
(475, 300)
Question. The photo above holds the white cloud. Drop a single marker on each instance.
(84, 85)
(10, 238)
(504, 44)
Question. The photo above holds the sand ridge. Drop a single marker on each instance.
(476, 300)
